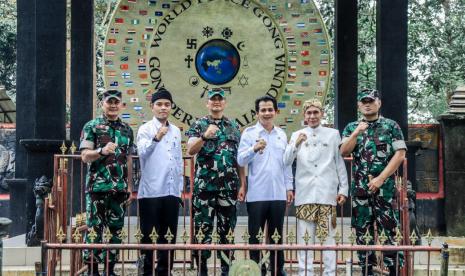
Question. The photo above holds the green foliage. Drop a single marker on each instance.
(8, 45)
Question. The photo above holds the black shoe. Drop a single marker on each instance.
(202, 269)
(224, 270)
(392, 271)
(369, 272)
(92, 269)
(110, 271)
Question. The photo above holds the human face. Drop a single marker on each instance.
(312, 116)
(111, 108)
(369, 107)
(266, 113)
(216, 104)
(161, 109)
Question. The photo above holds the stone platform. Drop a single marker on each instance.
(20, 260)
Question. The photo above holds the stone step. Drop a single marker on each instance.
(17, 254)
(131, 270)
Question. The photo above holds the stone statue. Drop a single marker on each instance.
(42, 186)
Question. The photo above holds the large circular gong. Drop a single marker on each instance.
(248, 48)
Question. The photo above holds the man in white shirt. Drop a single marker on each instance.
(269, 180)
(320, 183)
(161, 183)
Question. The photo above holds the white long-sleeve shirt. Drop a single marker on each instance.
(268, 178)
(161, 162)
(321, 173)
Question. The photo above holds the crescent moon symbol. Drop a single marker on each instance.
(240, 45)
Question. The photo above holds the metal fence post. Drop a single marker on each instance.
(4, 222)
(444, 259)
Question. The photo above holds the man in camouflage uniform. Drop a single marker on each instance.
(105, 144)
(378, 149)
(214, 139)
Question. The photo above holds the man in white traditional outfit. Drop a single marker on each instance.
(320, 183)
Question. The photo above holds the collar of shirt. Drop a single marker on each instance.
(261, 129)
(157, 124)
(315, 130)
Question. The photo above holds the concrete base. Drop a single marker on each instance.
(20, 260)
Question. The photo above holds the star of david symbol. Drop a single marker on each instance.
(227, 33)
(243, 81)
(207, 31)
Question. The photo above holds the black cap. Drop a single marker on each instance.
(111, 94)
(162, 93)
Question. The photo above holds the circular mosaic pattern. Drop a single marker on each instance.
(281, 48)
(217, 62)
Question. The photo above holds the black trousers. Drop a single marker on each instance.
(271, 213)
(161, 213)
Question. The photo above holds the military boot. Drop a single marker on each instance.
(92, 269)
(202, 269)
(110, 270)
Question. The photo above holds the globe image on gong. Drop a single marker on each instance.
(217, 61)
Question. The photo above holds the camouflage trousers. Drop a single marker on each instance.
(104, 210)
(366, 211)
(208, 204)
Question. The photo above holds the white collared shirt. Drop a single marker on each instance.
(269, 178)
(161, 162)
(321, 173)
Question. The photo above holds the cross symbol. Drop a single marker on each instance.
(188, 59)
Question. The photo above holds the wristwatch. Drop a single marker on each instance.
(203, 137)
(99, 151)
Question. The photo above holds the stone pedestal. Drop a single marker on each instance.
(453, 133)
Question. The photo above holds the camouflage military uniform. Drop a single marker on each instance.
(216, 179)
(374, 149)
(106, 181)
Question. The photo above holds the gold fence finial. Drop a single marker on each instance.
(200, 236)
(61, 235)
(429, 237)
(230, 236)
(306, 237)
(138, 235)
(215, 237)
(276, 236)
(184, 236)
(367, 237)
(154, 235)
(63, 148)
(413, 238)
(73, 148)
(92, 235)
(122, 235)
(291, 237)
(352, 237)
(169, 236)
(77, 236)
(260, 235)
(107, 235)
(398, 237)
(246, 236)
(337, 237)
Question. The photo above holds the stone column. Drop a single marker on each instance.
(453, 133)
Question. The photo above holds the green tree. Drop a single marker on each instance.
(8, 46)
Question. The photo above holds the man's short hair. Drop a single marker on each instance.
(266, 98)
(313, 102)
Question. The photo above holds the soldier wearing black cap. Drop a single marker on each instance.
(161, 183)
(214, 139)
(378, 149)
(105, 144)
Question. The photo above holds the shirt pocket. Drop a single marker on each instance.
(103, 136)
(383, 145)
